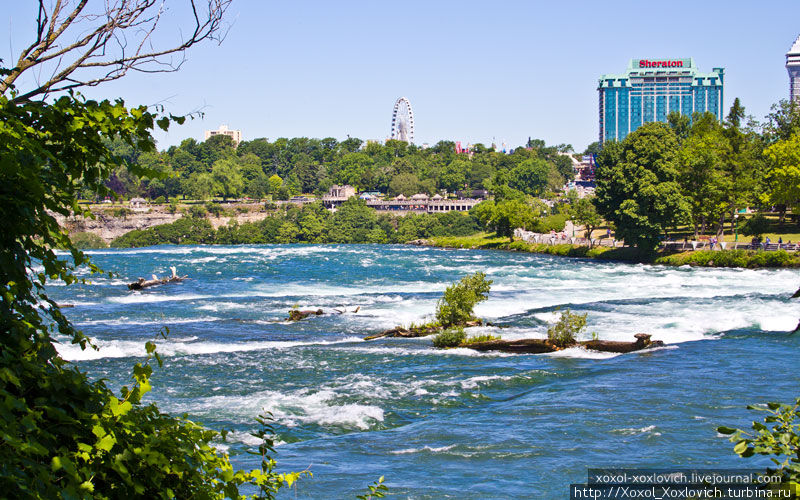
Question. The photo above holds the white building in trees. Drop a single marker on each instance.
(235, 135)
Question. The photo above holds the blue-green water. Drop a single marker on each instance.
(455, 423)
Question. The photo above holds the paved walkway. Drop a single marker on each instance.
(562, 238)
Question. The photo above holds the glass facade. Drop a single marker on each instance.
(651, 89)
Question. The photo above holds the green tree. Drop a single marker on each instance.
(783, 174)
(459, 299)
(405, 184)
(637, 186)
(454, 175)
(228, 178)
(783, 122)
(531, 176)
(703, 176)
(584, 213)
(593, 148)
(355, 169)
(201, 186)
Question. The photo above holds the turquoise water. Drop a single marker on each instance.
(454, 423)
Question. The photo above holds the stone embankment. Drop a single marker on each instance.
(109, 227)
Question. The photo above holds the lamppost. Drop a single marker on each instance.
(736, 227)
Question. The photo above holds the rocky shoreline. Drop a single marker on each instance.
(110, 227)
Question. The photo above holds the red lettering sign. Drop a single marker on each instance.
(645, 63)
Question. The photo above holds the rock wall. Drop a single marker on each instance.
(109, 228)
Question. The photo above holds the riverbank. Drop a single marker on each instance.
(705, 258)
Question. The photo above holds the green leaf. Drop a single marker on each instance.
(726, 430)
(106, 443)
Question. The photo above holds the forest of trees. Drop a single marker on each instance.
(281, 168)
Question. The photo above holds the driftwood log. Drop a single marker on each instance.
(642, 342)
(142, 283)
(541, 346)
(418, 331)
(297, 314)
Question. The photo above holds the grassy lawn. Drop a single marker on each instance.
(789, 231)
(705, 258)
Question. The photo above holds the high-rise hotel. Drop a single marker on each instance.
(651, 89)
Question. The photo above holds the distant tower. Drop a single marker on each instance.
(793, 67)
(403, 121)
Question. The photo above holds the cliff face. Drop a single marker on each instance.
(109, 227)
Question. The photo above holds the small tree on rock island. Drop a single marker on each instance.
(637, 186)
(456, 305)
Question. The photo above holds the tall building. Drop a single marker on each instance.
(793, 67)
(651, 89)
(236, 135)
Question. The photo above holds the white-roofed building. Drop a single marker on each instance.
(793, 67)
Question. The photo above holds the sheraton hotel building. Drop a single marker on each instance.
(651, 89)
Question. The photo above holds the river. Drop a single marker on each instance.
(444, 423)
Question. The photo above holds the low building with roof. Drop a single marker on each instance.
(337, 195)
(422, 203)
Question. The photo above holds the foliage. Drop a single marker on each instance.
(374, 490)
(566, 330)
(584, 213)
(121, 212)
(87, 240)
(553, 222)
(456, 305)
(186, 230)
(452, 337)
(778, 436)
(197, 211)
(755, 225)
(354, 222)
(480, 338)
(637, 185)
(65, 436)
(270, 482)
(506, 215)
(783, 172)
(214, 208)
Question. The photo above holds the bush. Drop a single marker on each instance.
(755, 225)
(87, 240)
(214, 208)
(196, 211)
(160, 200)
(455, 306)
(452, 337)
(480, 338)
(172, 207)
(121, 212)
(565, 331)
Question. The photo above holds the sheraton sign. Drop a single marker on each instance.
(646, 63)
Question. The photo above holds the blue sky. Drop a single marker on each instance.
(473, 71)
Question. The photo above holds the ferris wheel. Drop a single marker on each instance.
(403, 121)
